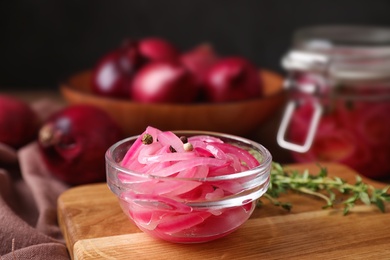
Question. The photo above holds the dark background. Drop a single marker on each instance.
(44, 41)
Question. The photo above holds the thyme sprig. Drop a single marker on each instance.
(324, 187)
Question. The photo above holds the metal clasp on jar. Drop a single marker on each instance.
(302, 61)
(281, 136)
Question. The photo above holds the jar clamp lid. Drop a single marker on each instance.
(347, 56)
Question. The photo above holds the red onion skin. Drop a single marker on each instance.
(114, 71)
(73, 143)
(232, 79)
(107, 80)
(199, 60)
(19, 123)
(157, 49)
(164, 82)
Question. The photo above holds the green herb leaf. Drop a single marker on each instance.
(323, 187)
(380, 205)
(365, 198)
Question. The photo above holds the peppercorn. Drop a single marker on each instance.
(147, 139)
(184, 139)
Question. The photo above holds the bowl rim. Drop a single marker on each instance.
(261, 169)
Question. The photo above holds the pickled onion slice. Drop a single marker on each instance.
(146, 218)
(168, 157)
(182, 165)
(209, 157)
(205, 139)
(243, 155)
(199, 193)
(174, 224)
(167, 175)
(170, 139)
(130, 155)
(155, 202)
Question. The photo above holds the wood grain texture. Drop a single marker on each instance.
(96, 228)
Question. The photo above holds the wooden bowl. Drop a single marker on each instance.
(239, 118)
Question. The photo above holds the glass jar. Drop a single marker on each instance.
(339, 107)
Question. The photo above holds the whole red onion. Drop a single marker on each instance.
(163, 82)
(232, 79)
(112, 74)
(19, 123)
(73, 143)
(199, 60)
(157, 49)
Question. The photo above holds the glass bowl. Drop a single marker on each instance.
(193, 218)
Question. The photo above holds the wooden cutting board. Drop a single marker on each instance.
(95, 227)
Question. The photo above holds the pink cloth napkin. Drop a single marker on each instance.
(28, 202)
